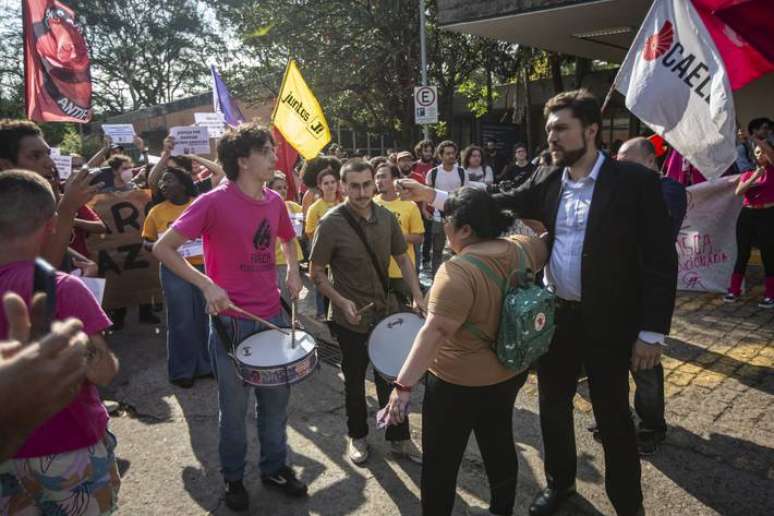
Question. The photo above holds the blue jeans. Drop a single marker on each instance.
(271, 407)
(187, 327)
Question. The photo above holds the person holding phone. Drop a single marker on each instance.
(75, 442)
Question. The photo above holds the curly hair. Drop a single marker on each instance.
(116, 161)
(239, 142)
(185, 179)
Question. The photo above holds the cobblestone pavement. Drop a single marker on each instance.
(718, 457)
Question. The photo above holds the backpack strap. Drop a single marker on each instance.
(492, 275)
(461, 172)
(433, 174)
(523, 272)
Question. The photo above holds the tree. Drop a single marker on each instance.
(146, 53)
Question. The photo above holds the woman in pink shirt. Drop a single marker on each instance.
(755, 225)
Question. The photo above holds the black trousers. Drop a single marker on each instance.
(755, 227)
(449, 414)
(608, 375)
(354, 363)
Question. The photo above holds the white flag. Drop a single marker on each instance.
(675, 81)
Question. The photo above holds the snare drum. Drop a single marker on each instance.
(390, 342)
(267, 359)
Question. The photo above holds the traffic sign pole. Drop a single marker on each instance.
(423, 51)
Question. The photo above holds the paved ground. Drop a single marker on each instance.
(718, 457)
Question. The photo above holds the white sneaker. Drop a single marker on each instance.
(358, 450)
(407, 450)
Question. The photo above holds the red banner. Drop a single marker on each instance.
(286, 160)
(57, 77)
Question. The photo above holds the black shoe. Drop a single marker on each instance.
(287, 481)
(549, 499)
(236, 496)
(647, 442)
(183, 383)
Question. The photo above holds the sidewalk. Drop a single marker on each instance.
(718, 457)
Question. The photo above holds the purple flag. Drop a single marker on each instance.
(221, 101)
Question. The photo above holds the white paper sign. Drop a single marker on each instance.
(212, 121)
(706, 245)
(190, 140)
(64, 165)
(119, 133)
(97, 287)
(191, 248)
(297, 220)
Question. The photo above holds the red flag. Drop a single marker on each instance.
(741, 30)
(57, 78)
(286, 160)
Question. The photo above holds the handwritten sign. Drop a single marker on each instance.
(131, 272)
(706, 245)
(119, 133)
(212, 121)
(64, 164)
(190, 140)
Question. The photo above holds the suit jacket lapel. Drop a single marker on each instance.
(552, 196)
(604, 191)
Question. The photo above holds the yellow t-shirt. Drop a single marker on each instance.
(315, 212)
(410, 221)
(296, 216)
(158, 220)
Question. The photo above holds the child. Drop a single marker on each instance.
(67, 465)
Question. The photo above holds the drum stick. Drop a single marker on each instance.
(366, 307)
(258, 319)
(293, 325)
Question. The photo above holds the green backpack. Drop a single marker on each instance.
(527, 321)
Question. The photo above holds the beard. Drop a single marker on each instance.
(571, 157)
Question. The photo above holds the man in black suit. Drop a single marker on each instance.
(613, 266)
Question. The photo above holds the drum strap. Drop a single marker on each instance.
(359, 231)
(224, 337)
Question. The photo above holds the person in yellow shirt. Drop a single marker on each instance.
(279, 184)
(328, 185)
(187, 323)
(409, 219)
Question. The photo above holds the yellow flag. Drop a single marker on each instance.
(298, 116)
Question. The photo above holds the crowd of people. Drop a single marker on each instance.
(230, 240)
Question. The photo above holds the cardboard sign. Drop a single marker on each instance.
(131, 272)
(64, 164)
(119, 133)
(212, 121)
(190, 140)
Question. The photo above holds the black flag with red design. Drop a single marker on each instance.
(57, 77)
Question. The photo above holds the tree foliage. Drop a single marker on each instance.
(146, 53)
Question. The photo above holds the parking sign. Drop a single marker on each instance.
(425, 105)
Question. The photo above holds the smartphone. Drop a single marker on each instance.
(44, 280)
(105, 176)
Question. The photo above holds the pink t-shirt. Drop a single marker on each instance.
(762, 190)
(239, 233)
(84, 421)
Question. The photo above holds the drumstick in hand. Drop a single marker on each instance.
(258, 319)
(366, 307)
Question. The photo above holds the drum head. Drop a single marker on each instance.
(391, 341)
(271, 348)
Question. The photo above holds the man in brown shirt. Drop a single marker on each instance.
(356, 283)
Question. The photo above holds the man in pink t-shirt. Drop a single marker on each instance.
(239, 222)
(75, 441)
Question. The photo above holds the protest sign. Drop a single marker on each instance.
(119, 133)
(706, 245)
(131, 272)
(212, 121)
(64, 164)
(190, 140)
(96, 286)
